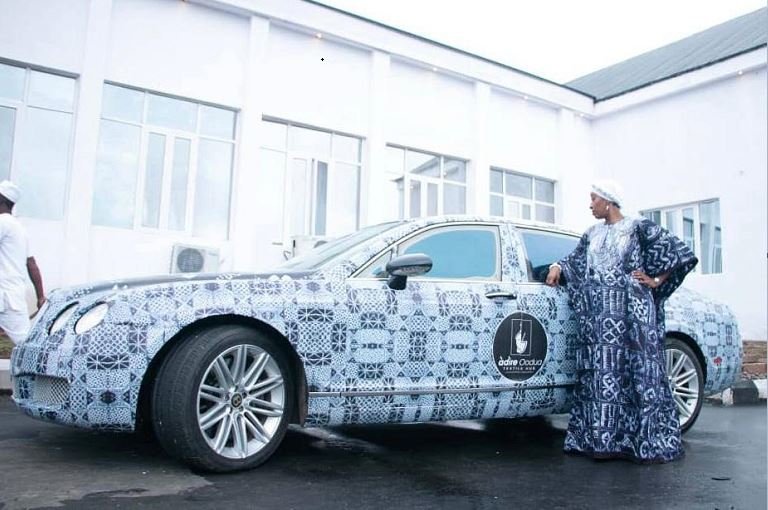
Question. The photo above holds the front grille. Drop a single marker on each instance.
(50, 390)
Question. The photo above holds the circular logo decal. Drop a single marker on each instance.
(520, 346)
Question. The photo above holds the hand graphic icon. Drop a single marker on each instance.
(520, 342)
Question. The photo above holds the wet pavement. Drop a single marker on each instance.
(488, 464)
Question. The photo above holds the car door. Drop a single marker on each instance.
(550, 305)
(427, 350)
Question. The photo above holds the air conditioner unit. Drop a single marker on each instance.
(194, 259)
(303, 244)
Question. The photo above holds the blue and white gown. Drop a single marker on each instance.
(623, 405)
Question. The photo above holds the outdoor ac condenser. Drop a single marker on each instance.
(194, 259)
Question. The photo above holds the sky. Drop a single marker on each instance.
(555, 39)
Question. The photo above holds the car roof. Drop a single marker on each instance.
(519, 223)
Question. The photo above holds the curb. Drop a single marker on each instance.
(5, 376)
(744, 392)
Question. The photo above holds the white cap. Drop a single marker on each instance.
(609, 190)
(10, 191)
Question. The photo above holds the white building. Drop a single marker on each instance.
(248, 126)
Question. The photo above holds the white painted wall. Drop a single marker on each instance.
(707, 142)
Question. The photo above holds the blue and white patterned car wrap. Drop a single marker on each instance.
(370, 354)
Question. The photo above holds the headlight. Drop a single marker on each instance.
(63, 317)
(91, 318)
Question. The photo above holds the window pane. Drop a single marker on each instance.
(512, 209)
(7, 124)
(415, 199)
(422, 164)
(656, 217)
(153, 181)
(42, 163)
(321, 197)
(395, 161)
(177, 216)
(671, 219)
(310, 141)
(544, 249)
(545, 213)
(455, 170)
(710, 232)
(545, 191)
(688, 229)
(172, 113)
(343, 186)
(431, 199)
(273, 135)
(114, 185)
(497, 205)
(217, 122)
(346, 148)
(123, 103)
(213, 187)
(12, 82)
(459, 253)
(497, 181)
(400, 199)
(526, 211)
(299, 196)
(454, 199)
(51, 91)
(518, 185)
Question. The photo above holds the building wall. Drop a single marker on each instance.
(704, 143)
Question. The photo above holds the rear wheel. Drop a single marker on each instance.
(686, 379)
(223, 399)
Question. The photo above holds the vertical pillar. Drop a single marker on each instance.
(378, 202)
(85, 144)
(245, 211)
(479, 179)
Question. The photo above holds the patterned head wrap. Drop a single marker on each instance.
(609, 190)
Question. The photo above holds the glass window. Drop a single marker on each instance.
(346, 148)
(432, 199)
(455, 170)
(497, 206)
(212, 189)
(458, 252)
(671, 222)
(122, 103)
(710, 232)
(274, 135)
(321, 197)
(544, 213)
(171, 113)
(396, 161)
(7, 126)
(177, 219)
(153, 180)
(415, 194)
(497, 181)
(688, 227)
(217, 122)
(518, 185)
(344, 189)
(454, 199)
(42, 163)
(545, 248)
(12, 80)
(51, 91)
(310, 141)
(420, 163)
(117, 168)
(545, 192)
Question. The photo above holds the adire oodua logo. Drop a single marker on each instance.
(520, 346)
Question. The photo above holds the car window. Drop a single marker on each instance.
(462, 252)
(377, 268)
(544, 248)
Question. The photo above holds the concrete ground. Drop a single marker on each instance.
(491, 464)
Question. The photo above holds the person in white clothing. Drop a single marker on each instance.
(15, 266)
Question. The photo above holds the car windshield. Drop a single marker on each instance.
(334, 249)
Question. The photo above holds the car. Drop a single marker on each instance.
(441, 318)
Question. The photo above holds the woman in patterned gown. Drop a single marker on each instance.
(618, 278)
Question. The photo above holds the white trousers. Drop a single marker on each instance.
(15, 323)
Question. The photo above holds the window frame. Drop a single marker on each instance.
(529, 266)
(394, 250)
(531, 202)
(680, 227)
(171, 135)
(21, 108)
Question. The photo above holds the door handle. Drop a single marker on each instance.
(501, 294)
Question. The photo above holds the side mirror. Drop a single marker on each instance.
(400, 268)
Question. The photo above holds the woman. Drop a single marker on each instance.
(618, 278)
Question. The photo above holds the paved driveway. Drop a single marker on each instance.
(492, 464)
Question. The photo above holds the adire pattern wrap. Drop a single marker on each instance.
(370, 354)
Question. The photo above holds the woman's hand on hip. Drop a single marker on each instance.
(646, 280)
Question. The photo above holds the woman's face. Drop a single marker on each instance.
(599, 206)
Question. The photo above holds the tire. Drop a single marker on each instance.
(686, 379)
(223, 399)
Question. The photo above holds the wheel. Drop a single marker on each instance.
(686, 379)
(223, 399)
